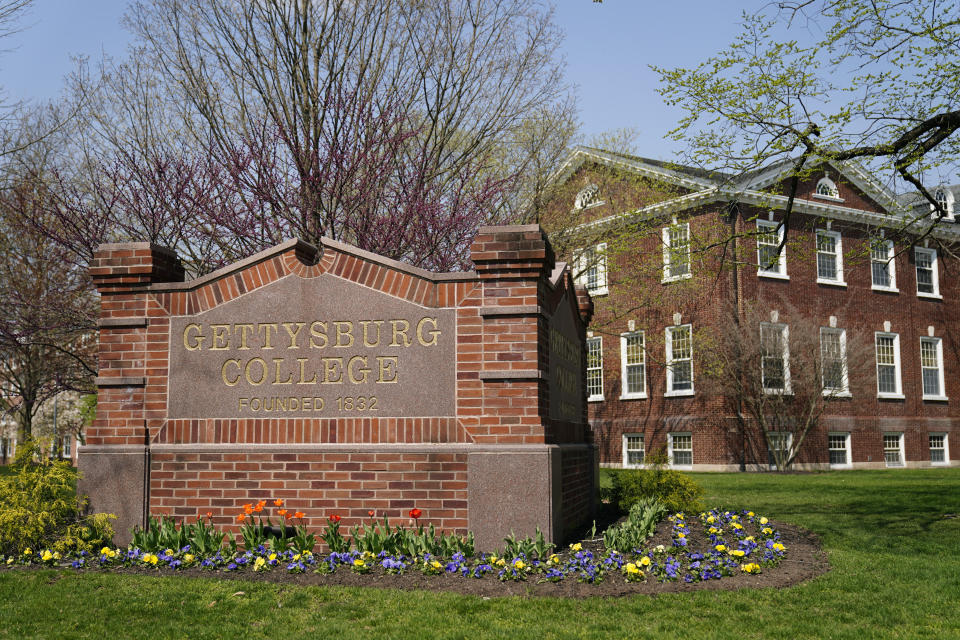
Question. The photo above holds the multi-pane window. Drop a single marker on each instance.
(67, 448)
(595, 368)
(827, 188)
(893, 449)
(944, 198)
(938, 448)
(881, 265)
(833, 355)
(770, 259)
(774, 357)
(829, 257)
(676, 252)
(633, 363)
(838, 445)
(679, 360)
(931, 368)
(633, 449)
(888, 364)
(681, 449)
(778, 446)
(928, 281)
(592, 269)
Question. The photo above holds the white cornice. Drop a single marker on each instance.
(580, 155)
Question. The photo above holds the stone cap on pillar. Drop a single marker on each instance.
(126, 266)
(512, 251)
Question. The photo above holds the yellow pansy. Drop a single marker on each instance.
(576, 547)
(720, 547)
(259, 563)
(47, 555)
(645, 561)
(778, 546)
(764, 521)
(359, 562)
(190, 557)
(631, 568)
(518, 564)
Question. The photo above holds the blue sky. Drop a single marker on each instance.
(608, 49)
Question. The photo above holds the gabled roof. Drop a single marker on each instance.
(687, 177)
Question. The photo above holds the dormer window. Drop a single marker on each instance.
(827, 188)
(944, 199)
(587, 197)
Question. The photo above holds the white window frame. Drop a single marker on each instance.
(848, 463)
(784, 356)
(830, 186)
(777, 435)
(780, 267)
(844, 391)
(625, 364)
(66, 446)
(890, 263)
(899, 435)
(598, 340)
(898, 394)
(837, 254)
(934, 272)
(669, 252)
(938, 353)
(946, 448)
(671, 437)
(946, 202)
(671, 392)
(591, 258)
(627, 450)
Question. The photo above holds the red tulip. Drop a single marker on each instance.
(415, 513)
(334, 518)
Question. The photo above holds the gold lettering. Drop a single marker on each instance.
(276, 373)
(293, 334)
(294, 404)
(433, 333)
(263, 372)
(387, 366)
(282, 404)
(245, 329)
(318, 404)
(332, 367)
(318, 331)
(364, 372)
(241, 403)
(344, 328)
(366, 340)
(267, 326)
(397, 332)
(305, 404)
(255, 404)
(303, 372)
(197, 340)
(221, 337)
(223, 372)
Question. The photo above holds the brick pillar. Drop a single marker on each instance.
(515, 485)
(114, 461)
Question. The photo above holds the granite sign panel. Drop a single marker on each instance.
(313, 347)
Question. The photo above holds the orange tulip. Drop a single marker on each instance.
(278, 502)
(258, 508)
(282, 512)
(209, 514)
(248, 508)
(299, 514)
(287, 515)
(241, 517)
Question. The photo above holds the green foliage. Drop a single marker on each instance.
(640, 525)
(88, 408)
(381, 536)
(674, 489)
(536, 547)
(39, 508)
(168, 533)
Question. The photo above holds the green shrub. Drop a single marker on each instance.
(676, 490)
(39, 508)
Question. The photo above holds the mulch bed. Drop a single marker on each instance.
(805, 560)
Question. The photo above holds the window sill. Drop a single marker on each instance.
(822, 196)
(679, 394)
(778, 392)
(669, 279)
(930, 296)
(633, 396)
(936, 398)
(885, 289)
(891, 396)
(598, 292)
(772, 275)
(838, 394)
(832, 283)
(841, 466)
(595, 399)
(681, 467)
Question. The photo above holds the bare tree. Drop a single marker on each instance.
(779, 370)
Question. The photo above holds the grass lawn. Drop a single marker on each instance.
(895, 558)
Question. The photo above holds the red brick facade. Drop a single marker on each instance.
(719, 285)
(501, 459)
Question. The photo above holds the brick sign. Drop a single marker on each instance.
(342, 381)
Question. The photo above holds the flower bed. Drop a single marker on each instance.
(686, 550)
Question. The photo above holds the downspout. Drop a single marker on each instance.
(734, 213)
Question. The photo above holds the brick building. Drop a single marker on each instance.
(674, 255)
